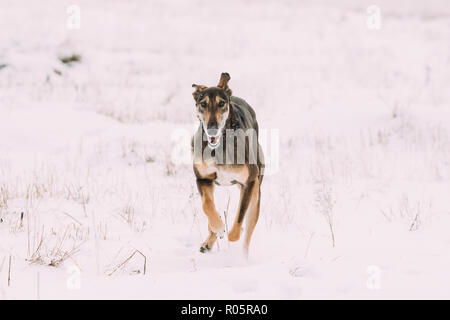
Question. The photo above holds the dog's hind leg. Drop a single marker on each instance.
(252, 215)
(247, 193)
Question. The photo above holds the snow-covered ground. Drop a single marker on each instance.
(91, 193)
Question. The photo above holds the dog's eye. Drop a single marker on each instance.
(203, 104)
(221, 104)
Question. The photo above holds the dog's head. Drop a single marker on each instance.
(213, 108)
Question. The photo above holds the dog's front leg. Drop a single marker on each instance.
(216, 226)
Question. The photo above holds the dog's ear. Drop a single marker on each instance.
(223, 83)
(198, 90)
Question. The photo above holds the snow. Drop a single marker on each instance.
(93, 165)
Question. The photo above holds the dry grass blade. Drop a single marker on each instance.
(70, 59)
(65, 256)
(9, 271)
(128, 259)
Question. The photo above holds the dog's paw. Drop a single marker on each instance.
(220, 233)
(204, 248)
(219, 230)
(234, 234)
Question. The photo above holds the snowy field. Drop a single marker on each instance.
(93, 203)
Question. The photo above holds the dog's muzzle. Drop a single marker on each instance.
(213, 136)
(213, 142)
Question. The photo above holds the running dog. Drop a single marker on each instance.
(226, 151)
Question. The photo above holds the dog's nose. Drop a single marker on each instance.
(212, 132)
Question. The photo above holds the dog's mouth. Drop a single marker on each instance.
(213, 142)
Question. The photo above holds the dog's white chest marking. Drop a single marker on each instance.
(225, 176)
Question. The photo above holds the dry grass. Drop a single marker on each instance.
(70, 59)
(54, 247)
(122, 264)
(324, 205)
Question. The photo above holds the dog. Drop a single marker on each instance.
(226, 151)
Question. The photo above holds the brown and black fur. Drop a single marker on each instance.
(218, 109)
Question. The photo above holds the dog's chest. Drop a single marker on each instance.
(225, 176)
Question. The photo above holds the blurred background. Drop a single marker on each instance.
(92, 95)
(280, 54)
